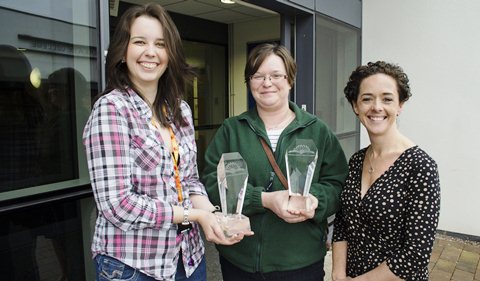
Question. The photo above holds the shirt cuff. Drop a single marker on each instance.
(164, 215)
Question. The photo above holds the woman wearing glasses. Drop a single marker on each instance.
(287, 245)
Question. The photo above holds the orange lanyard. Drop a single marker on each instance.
(175, 156)
(175, 164)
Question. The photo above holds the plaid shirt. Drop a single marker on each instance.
(132, 177)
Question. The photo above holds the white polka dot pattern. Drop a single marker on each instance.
(397, 218)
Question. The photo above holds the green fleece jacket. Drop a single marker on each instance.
(276, 244)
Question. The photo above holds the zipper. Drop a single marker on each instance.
(259, 233)
(259, 247)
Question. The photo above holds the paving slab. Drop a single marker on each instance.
(452, 259)
(460, 275)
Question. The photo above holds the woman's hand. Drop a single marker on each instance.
(214, 233)
(202, 213)
(309, 211)
(277, 202)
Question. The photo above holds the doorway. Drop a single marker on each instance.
(215, 39)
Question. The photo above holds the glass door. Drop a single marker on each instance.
(207, 96)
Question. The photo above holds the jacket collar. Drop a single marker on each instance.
(302, 119)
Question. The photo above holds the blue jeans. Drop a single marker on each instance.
(109, 269)
(312, 272)
(200, 274)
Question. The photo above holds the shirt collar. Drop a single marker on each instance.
(142, 107)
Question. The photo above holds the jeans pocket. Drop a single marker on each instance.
(110, 269)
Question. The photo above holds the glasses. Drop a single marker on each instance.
(259, 78)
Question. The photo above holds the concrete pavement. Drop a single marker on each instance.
(452, 259)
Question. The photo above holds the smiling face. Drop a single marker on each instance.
(146, 55)
(378, 104)
(272, 92)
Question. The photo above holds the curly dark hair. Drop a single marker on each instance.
(396, 72)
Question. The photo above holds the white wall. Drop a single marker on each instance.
(243, 33)
(437, 43)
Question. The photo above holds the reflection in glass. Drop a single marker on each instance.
(42, 243)
(48, 74)
(20, 116)
(46, 84)
(337, 54)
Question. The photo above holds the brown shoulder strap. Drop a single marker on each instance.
(274, 164)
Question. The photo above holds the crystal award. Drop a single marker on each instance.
(232, 176)
(301, 158)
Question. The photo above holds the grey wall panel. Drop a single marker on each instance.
(349, 11)
(305, 3)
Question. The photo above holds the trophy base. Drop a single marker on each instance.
(232, 224)
(297, 203)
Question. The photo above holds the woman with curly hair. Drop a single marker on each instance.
(391, 199)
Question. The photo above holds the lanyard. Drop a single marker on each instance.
(175, 156)
(175, 164)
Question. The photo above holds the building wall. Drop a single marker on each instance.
(437, 43)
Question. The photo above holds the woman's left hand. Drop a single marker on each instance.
(277, 202)
(214, 233)
(309, 212)
(209, 223)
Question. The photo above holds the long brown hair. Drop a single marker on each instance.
(171, 86)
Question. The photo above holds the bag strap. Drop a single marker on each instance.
(274, 164)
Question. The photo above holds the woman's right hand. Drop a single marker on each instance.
(214, 233)
(277, 202)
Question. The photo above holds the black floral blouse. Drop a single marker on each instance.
(395, 221)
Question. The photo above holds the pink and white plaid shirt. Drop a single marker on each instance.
(132, 177)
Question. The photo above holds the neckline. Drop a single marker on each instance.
(275, 130)
(372, 186)
(282, 124)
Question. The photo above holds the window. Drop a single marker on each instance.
(44, 242)
(48, 74)
(337, 55)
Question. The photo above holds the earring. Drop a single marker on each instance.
(123, 60)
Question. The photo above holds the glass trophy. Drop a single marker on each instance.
(301, 158)
(232, 176)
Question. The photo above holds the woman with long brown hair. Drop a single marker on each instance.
(141, 153)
